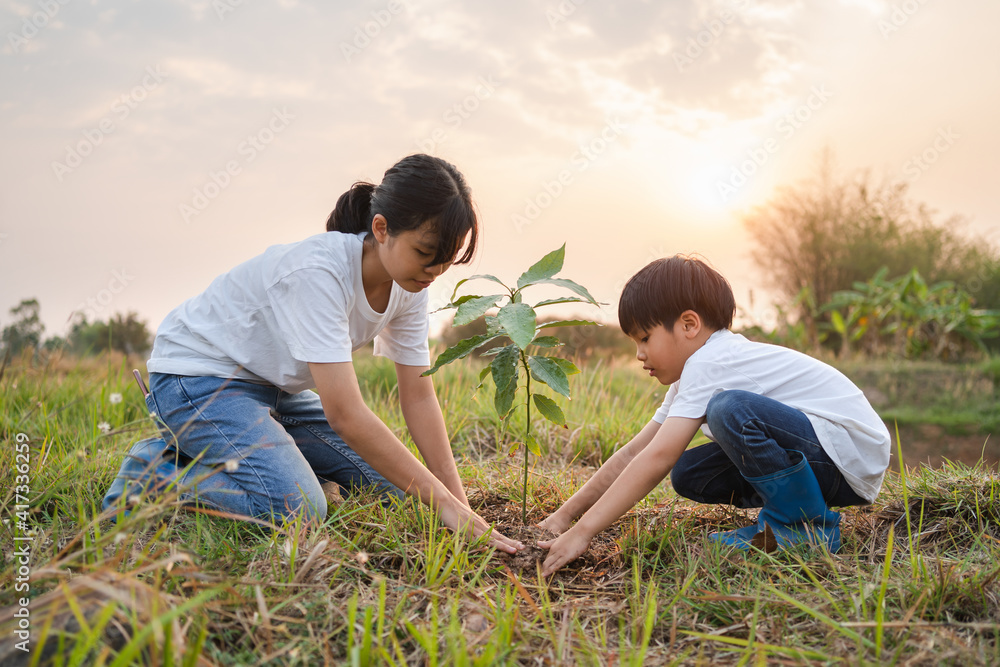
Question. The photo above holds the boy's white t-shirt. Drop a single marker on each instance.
(267, 318)
(848, 428)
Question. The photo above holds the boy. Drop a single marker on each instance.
(789, 433)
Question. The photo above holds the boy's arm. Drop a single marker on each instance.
(639, 477)
(422, 413)
(589, 493)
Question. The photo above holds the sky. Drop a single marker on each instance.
(150, 146)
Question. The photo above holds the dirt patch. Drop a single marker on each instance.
(602, 562)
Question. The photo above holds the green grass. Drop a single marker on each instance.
(915, 582)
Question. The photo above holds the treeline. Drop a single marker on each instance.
(862, 268)
(122, 332)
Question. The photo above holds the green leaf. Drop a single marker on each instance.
(547, 341)
(532, 444)
(474, 308)
(459, 350)
(550, 410)
(484, 276)
(504, 368)
(457, 302)
(569, 368)
(492, 325)
(837, 320)
(546, 267)
(547, 371)
(571, 286)
(569, 323)
(564, 299)
(482, 378)
(518, 320)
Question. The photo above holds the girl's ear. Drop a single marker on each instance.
(380, 228)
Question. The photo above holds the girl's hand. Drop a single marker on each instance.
(568, 546)
(460, 518)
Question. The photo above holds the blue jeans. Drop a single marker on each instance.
(752, 437)
(253, 449)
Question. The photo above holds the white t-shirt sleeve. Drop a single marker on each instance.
(661, 413)
(404, 338)
(311, 310)
(700, 381)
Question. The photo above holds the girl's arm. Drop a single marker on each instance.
(367, 435)
(591, 492)
(425, 422)
(634, 483)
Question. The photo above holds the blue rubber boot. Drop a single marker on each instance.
(148, 468)
(739, 538)
(795, 509)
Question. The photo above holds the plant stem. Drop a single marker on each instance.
(527, 432)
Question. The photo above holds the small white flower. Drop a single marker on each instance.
(114, 399)
(232, 465)
(152, 416)
(104, 427)
(133, 499)
(361, 557)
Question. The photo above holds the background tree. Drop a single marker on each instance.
(827, 233)
(26, 330)
(124, 333)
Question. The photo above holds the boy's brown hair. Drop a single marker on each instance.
(666, 287)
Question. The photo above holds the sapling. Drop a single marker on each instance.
(517, 321)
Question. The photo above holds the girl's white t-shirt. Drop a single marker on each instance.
(848, 428)
(269, 317)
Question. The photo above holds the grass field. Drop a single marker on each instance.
(914, 584)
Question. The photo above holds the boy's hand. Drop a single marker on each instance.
(554, 524)
(568, 546)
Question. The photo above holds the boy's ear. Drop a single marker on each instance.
(690, 322)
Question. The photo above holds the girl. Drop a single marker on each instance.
(232, 369)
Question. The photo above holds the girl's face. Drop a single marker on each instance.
(405, 256)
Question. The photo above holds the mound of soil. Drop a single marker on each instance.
(601, 562)
(532, 556)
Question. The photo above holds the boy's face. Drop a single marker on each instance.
(663, 352)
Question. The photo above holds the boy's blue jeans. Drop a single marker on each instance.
(753, 435)
(263, 452)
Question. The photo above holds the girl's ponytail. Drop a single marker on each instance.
(353, 213)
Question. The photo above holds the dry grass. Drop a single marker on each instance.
(914, 584)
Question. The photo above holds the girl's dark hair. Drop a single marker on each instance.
(417, 189)
(665, 288)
